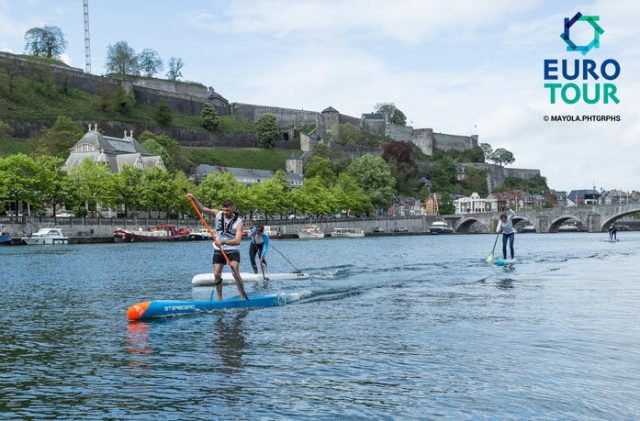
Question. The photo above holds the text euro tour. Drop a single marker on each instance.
(588, 71)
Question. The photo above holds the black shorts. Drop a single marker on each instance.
(233, 255)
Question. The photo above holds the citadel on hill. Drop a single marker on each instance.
(188, 98)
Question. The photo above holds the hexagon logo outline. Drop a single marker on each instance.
(597, 31)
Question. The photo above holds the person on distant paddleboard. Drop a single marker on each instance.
(259, 246)
(613, 232)
(228, 230)
(508, 233)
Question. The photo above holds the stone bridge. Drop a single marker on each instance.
(594, 218)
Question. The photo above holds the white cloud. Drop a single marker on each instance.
(408, 21)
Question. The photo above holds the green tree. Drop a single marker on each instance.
(209, 117)
(19, 179)
(322, 168)
(267, 130)
(349, 134)
(57, 139)
(150, 62)
(123, 101)
(534, 184)
(175, 68)
(178, 158)
(54, 185)
(93, 184)
(321, 150)
(154, 148)
(406, 177)
(217, 187)
(127, 187)
(476, 181)
(313, 198)
(271, 195)
(182, 183)
(446, 206)
(349, 196)
(487, 151)
(162, 113)
(122, 59)
(6, 131)
(47, 41)
(158, 190)
(443, 176)
(391, 114)
(374, 177)
(502, 156)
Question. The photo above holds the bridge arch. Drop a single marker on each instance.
(555, 224)
(607, 223)
(464, 226)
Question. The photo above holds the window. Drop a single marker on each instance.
(85, 147)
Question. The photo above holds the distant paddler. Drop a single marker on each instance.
(228, 235)
(508, 233)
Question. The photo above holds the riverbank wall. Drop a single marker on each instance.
(89, 230)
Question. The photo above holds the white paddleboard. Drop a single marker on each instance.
(206, 279)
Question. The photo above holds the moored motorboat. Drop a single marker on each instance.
(46, 237)
(440, 227)
(5, 237)
(201, 234)
(310, 232)
(347, 232)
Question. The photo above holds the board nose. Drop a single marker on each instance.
(137, 310)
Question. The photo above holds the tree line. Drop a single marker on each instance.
(41, 181)
(49, 42)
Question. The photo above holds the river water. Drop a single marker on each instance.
(415, 327)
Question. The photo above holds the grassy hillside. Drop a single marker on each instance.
(255, 158)
(28, 101)
(25, 100)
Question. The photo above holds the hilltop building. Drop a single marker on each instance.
(113, 151)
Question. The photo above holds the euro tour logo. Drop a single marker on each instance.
(592, 90)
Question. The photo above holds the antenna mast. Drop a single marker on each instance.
(87, 49)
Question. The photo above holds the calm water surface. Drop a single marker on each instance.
(394, 328)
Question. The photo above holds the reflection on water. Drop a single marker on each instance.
(138, 345)
(229, 340)
(393, 327)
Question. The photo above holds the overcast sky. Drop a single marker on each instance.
(458, 67)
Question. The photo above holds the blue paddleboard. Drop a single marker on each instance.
(165, 308)
(504, 262)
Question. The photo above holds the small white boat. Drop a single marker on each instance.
(46, 237)
(440, 227)
(207, 279)
(347, 233)
(311, 232)
(201, 234)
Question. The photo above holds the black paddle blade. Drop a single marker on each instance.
(239, 283)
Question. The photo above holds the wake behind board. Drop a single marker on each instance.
(207, 279)
(166, 308)
(504, 262)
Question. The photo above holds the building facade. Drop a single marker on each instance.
(114, 152)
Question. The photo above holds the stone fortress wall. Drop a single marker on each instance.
(188, 98)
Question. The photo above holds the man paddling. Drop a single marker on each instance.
(228, 227)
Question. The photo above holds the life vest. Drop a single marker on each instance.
(226, 230)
